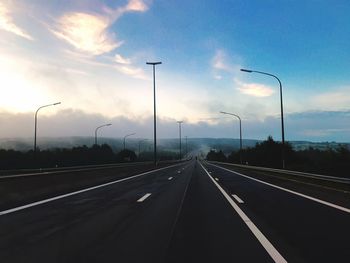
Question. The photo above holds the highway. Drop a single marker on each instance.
(188, 212)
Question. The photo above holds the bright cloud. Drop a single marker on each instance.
(125, 66)
(121, 60)
(131, 71)
(7, 24)
(254, 89)
(87, 33)
(136, 5)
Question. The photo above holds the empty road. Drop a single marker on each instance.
(188, 212)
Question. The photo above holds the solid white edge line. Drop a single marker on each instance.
(239, 200)
(143, 198)
(347, 210)
(11, 210)
(270, 249)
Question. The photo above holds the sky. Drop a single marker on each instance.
(91, 55)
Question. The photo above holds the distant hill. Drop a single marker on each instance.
(172, 144)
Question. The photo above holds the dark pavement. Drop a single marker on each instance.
(177, 214)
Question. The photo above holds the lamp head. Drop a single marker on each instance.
(153, 63)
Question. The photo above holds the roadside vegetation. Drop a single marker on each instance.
(82, 155)
(335, 162)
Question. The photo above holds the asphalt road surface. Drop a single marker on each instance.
(188, 212)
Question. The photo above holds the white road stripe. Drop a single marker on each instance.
(271, 250)
(80, 191)
(217, 179)
(347, 210)
(143, 198)
(239, 200)
(170, 178)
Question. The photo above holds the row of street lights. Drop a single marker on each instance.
(153, 64)
(124, 139)
(228, 113)
(109, 124)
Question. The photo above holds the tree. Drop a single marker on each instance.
(216, 156)
(126, 156)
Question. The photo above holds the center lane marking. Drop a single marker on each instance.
(143, 198)
(270, 249)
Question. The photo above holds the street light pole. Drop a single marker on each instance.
(281, 99)
(186, 146)
(108, 124)
(180, 122)
(127, 136)
(154, 109)
(240, 133)
(36, 121)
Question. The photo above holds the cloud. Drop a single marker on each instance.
(121, 60)
(254, 89)
(219, 61)
(132, 71)
(7, 24)
(314, 126)
(87, 33)
(136, 5)
(125, 67)
(333, 100)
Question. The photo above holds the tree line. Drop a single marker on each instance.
(81, 155)
(334, 162)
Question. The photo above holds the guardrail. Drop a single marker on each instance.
(289, 172)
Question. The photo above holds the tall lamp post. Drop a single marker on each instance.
(180, 122)
(126, 137)
(36, 121)
(281, 98)
(186, 146)
(154, 109)
(99, 127)
(240, 132)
